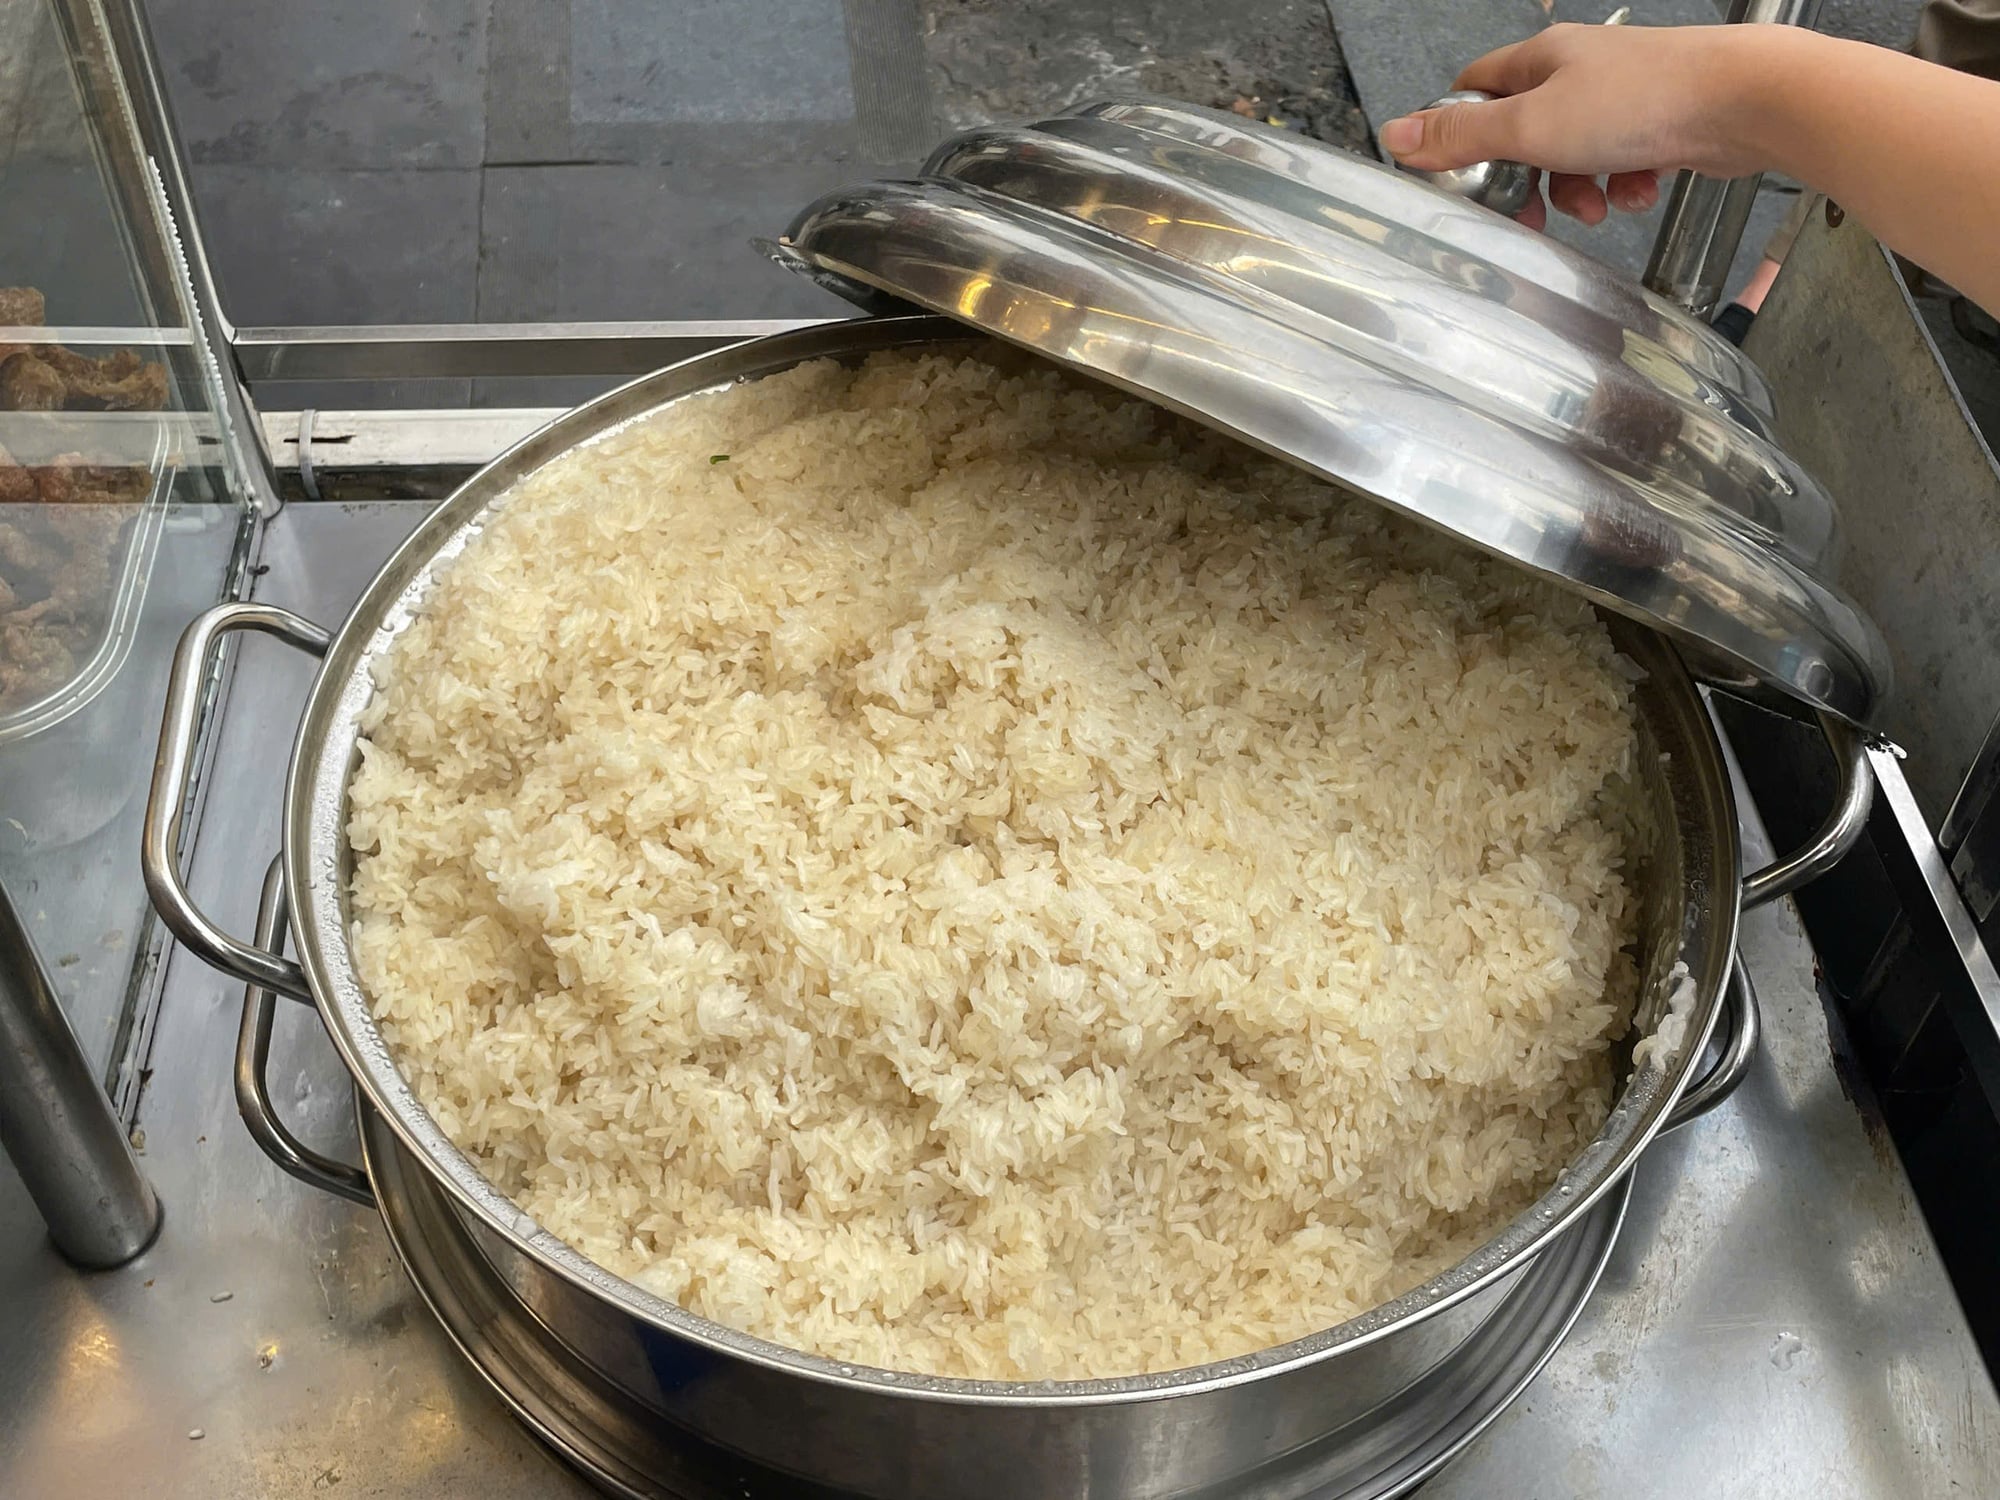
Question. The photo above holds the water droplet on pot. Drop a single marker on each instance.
(1786, 1350)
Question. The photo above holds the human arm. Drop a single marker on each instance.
(1910, 149)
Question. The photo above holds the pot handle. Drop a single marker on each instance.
(166, 806)
(1836, 835)
(1843, 827)
(1742, 1027)
(253, 1053)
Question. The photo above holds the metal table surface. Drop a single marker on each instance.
(1775, 1320)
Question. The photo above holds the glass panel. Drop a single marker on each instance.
(118, 520)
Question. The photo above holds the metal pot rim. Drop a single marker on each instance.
(316, 876)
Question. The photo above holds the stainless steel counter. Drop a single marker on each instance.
(1775, 1321)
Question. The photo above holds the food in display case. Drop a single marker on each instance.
(64, 522)
(60, 529)
(20, 307)
(48, 377)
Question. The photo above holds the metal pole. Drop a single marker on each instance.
(56, 1123)
(1706, 216)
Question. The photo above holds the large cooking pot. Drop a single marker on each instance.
(1235, 1427)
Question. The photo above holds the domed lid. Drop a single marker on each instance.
(1379, 332)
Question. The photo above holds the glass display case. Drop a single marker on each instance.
(124, 507)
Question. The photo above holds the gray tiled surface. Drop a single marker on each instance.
(718, 62)
(508, 160)
(517, 160)
(591, 241)
(383, 246)
(362, 84)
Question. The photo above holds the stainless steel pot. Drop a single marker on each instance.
(1235, 1427)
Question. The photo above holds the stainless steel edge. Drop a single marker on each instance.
(180, 727)
(1870, 406)
(317, 861)
(253, 1056)
(1742, 1028)
(1841, 831)
(1975, 864)
(1977, 1020)
(1525, 1328)
(1699, 236)
(408, 350)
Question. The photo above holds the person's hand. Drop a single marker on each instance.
(1621, 103)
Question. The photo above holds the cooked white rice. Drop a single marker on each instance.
(960, 872)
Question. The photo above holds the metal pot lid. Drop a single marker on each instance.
(1383, 334)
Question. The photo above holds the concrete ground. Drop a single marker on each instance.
(501, 160)
(382, 161)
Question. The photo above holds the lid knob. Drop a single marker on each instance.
(1503, 186)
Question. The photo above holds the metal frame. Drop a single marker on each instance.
(55, 1122)
(1706, 216)
(1937, 909)
(543, 350)
(59, 1124)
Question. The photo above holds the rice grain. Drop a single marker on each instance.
(952, 869)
